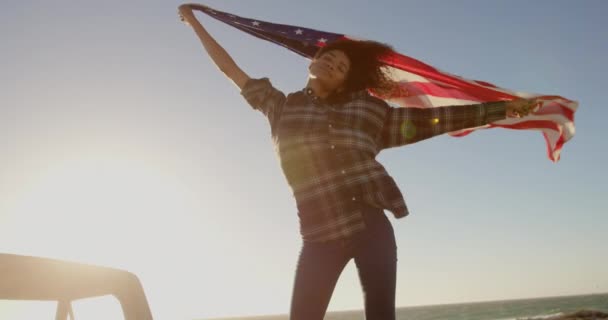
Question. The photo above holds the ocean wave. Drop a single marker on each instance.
(542, 316)
(578, 315)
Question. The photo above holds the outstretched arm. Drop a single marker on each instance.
(220, 57)
(409, 125)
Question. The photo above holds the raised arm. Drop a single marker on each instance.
(220, 57)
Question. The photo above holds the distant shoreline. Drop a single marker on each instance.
(413, 307)
(506, 300)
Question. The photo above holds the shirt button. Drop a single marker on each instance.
(343, 171)
(330, 126)
(332, 146)
(354, 198)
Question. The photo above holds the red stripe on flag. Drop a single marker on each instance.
(436, 90)
(558, 147)
(555, 108)
(417, 67)
(531, 124)
(522, 125)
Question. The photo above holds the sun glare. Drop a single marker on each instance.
(95, 204)
(109, 211)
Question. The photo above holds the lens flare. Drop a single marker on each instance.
(408, 129)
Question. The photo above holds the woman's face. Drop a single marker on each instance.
(331, 69)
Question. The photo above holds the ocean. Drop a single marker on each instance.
(537, 309)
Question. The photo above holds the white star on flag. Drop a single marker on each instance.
(299, 31)
(255, 23)
(323, 40)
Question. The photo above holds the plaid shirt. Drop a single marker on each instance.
(327, 151)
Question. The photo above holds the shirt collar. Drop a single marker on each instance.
(318, 100)
(309, 93)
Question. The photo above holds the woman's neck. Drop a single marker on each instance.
(317, 89)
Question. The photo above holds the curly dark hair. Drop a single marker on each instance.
(366, 69)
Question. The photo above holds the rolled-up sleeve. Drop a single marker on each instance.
(262, 96)
(409, 125)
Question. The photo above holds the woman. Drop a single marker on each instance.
(327, 137)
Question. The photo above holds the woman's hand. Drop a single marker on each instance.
(185, 13)
(520, 107)
(220, 57)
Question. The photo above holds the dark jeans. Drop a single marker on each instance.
(320, 266)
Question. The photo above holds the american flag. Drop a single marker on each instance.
(423, 86)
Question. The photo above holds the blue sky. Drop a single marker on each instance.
(121, 144)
